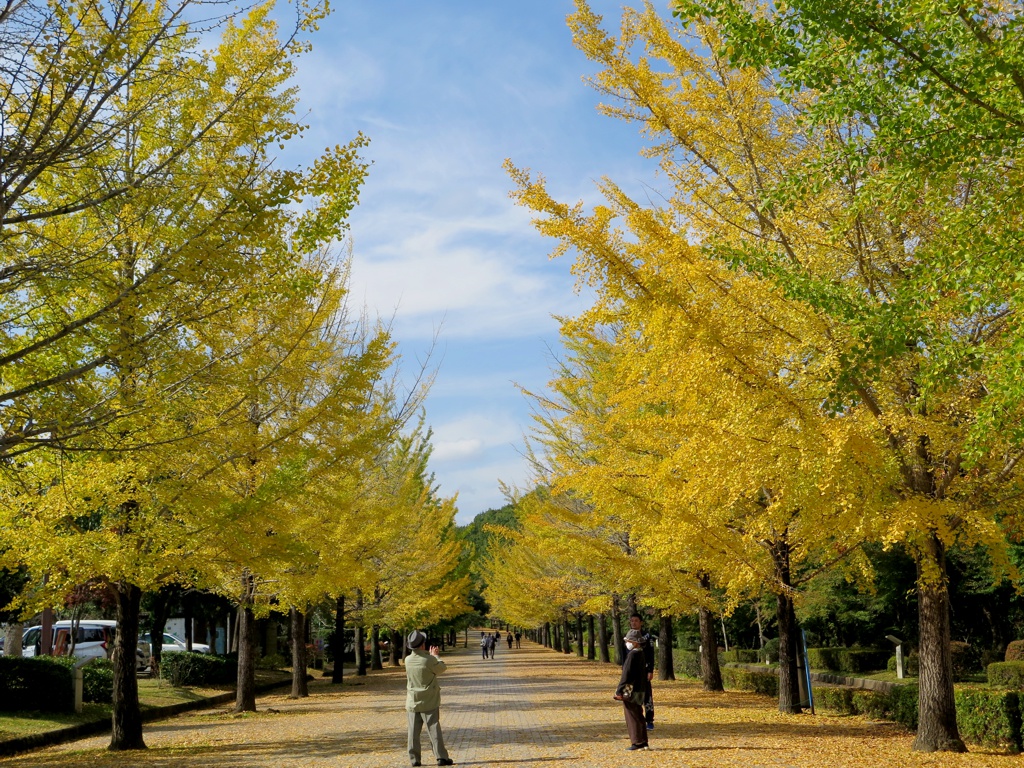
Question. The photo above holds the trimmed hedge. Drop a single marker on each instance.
(1006, 674)
(687, 662)
(990, 718)
(738, 656)
(186, 669)
(835, 698)
(97, 678)
(770, 653)
(746, 680)
(899, 705)
(1015, 651)
(852, 660)
(986, 717)
(36, 684)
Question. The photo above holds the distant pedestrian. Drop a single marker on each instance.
(484, 643)
(491, 642)
(423, 698)
(509, 640)
(632, 689)
(518, 637)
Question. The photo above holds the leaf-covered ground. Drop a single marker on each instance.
(525, 707)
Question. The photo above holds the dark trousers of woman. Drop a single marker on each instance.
(635, 723)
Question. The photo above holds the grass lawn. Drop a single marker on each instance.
(152, 693)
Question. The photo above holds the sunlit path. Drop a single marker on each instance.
(527, 707)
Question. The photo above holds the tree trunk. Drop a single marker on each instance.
(556, 642)
(937, 730)
(710, 671)
(566, 635)
(157, 625)
(789, 694)
(579, 635)
(360, 636)
(338, 646)
(189, 623)
(547, 634)
(602, 638)
(361, 664)
(591, 652)
(12, 639)
(127, 716)
(299, 688)
(375, 660)
(666, 664)
(245, 695)
(620, 648)
(396, 649)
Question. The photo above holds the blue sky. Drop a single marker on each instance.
(446, 90)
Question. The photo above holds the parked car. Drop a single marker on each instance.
(94, 639)
(171, 644)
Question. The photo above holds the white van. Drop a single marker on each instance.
(94, 639)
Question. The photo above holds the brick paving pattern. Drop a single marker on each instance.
(528, 707)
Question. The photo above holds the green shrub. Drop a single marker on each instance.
(911, 665)
(873, 704)
(687, 662)
(837, 699)
(1006, 674)
(1015, 651)
(36, 684)
(98, 682)
(990, 718)
(185, 669)
(272, 661)
(770, 653)
(745, 680)
(738, 656)
(850, 660)
(966, 660)
(903, 705)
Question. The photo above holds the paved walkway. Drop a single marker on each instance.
(529, 707)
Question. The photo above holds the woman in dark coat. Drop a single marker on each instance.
(634, 681)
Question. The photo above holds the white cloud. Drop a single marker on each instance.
(452, 450)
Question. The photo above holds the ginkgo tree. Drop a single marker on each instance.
(195, 298)
(776, 332)
(117, 105)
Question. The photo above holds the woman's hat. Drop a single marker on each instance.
(634, 636)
